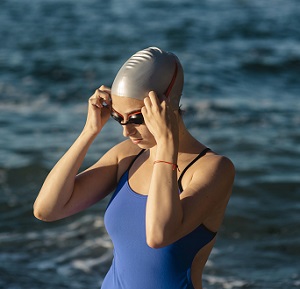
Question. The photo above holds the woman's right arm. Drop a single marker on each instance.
(64, 192)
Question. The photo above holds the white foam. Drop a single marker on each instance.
(226, 283)
(88, 264)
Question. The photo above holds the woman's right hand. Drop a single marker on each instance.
(98, 110)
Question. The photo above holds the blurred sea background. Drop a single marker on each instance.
(242, 86)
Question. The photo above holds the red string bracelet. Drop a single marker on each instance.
(174, 166)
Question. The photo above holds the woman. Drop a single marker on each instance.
(171, 191)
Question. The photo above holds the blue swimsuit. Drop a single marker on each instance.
(135, 264)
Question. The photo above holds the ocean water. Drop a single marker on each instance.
(242, 86)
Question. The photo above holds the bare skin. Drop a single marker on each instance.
(169, 216)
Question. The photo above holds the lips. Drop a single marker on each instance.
(136, 141)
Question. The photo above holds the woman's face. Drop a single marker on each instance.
(127, 110)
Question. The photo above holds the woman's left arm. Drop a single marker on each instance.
(170, 215)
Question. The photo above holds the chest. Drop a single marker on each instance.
(139, 180)
(140, 176)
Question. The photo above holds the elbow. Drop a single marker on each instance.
(40, 215)
(156, 240)
(155, 244)
(159, 236)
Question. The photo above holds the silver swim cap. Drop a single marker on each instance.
(150, 69)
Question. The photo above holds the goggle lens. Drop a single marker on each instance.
(134, 118)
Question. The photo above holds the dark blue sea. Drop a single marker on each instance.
(242, 99)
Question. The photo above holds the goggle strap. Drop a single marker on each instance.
(172, 81)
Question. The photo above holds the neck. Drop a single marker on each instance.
(187, 143)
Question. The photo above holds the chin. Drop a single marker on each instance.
(146, 145)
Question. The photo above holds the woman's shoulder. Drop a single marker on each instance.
(126, 149)
(207, 157)
(215, 163)
(209, 163)
(123, 152)
(221, 160)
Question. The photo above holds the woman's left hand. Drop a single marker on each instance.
(160, 118)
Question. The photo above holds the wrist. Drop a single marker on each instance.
(167, 151)
(167, 141)
(91, 131)
(89, 134)
(174, 165)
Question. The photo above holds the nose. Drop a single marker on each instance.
(128, 130)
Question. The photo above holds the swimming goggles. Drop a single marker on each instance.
(133, 118)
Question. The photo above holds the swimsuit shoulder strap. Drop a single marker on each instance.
(189, 165)
(124, 178)
(135, 159)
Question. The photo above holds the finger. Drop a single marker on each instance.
(106, 100)
(105, 88)
(154, 99)
(101, 98)
(144, 110)
(95, 101)
(107, 95)
(165, 99)
(147, 102)
(166, 102)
